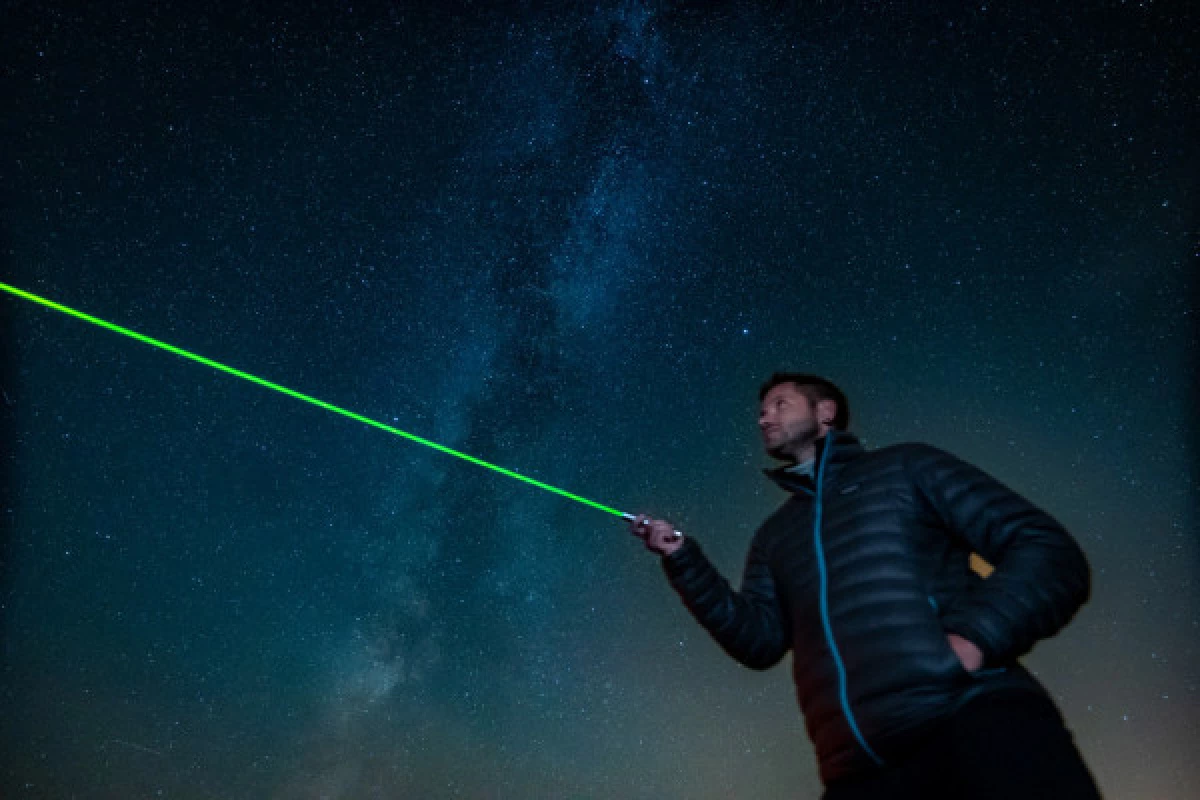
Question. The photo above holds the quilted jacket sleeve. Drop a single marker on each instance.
(1041, 576)
(749, 623)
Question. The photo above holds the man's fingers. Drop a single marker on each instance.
(655, 533)
(664, 529)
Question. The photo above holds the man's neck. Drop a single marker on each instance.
(807, 452)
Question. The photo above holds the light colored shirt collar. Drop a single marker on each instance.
(807, 468)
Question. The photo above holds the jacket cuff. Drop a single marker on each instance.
(687, 556)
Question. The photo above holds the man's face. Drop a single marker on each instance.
(788, 422)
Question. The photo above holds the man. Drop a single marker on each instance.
(904, 658)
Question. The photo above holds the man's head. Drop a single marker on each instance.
(796, 409)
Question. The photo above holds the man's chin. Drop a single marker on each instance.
(780, 453)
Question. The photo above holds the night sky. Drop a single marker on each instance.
(571, 239)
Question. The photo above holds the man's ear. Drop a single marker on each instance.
(827, 411)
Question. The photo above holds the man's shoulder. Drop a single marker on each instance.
(790, 512)
(906, 451)
(901, 458)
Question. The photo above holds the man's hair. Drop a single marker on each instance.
(815, 388)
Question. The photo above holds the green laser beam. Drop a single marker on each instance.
(246, 376)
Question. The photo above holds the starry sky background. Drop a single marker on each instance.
(571, 239)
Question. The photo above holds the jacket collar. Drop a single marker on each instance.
(844, 446)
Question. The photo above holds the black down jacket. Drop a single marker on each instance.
(863, 572)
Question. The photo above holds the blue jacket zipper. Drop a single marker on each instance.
(837, 658)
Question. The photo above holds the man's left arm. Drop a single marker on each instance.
(1041, 576)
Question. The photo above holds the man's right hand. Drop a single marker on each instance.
(658, 535)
